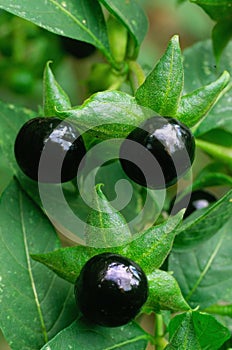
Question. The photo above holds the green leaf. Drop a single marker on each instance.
(77, 19)
(6, 174)
(182, 333)
(81, 334)
(105, 227)
(209, 331)
(199, 229)
(216, 9)
(152, 247)
(164, 293)
(12, 119)
(149, 250)
(197, 104)
(204, 273)
(54, 97)
(131, 14)
(196, 330)
(35, 303)
(201, 69)
(162, 88)
(111, 114)
(221, 35)
(63, 205)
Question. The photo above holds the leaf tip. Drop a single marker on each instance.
(226, 75)
(99, 191)
(175, 39)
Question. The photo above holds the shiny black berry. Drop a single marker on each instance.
(194, 201)
(77, 48)
(158, 153)
(49, 150)
(111, 289)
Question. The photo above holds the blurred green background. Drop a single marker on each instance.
(25, 48)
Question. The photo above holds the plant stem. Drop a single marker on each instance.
(160, 341)
(137, 75)
(219, 152)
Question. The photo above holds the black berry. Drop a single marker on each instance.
(111, 289)
(196, 200)
(77, 48)
(162, 151)
(49, 150)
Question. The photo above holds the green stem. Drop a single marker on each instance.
(116, 85)
(160, 341)
(219, 152)
(137, 74)
(224, 310)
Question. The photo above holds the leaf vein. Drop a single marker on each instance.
(30, 270)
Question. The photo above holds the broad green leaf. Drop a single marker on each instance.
(195, 105)
(83, 335)
(35, 303)
(77, 19)
(12, 119)
(111, 114)
(164, 293)
(63, 205)
(6, 174)
(183, 335)
(149, 250)
(54, 97)
(197, 230)
(105, 227)
(201, 69)
(204, 273)
(210, 333)
(162, 88)
(131, 14)
(221, 36)
(202, 330)
(216, 9)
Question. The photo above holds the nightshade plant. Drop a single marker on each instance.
(190, 295)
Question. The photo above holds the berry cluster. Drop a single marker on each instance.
(111, 289)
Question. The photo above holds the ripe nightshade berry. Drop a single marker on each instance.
(49, 150)
(162, 151)
(198, 199)
(111, 289)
